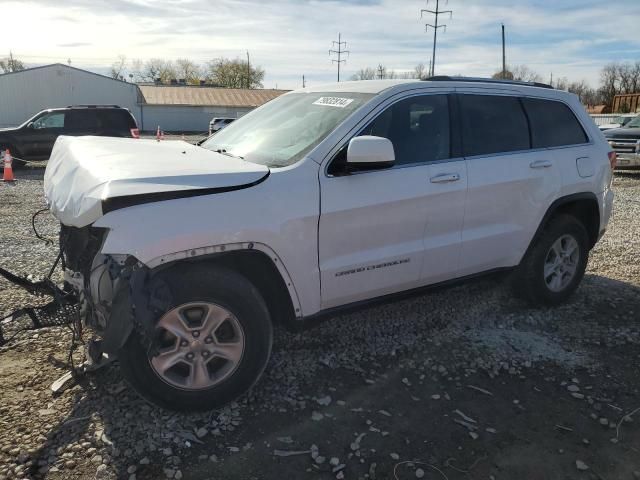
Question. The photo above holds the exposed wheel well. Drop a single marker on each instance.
(259, 269)
(585, 210)
(583, 206)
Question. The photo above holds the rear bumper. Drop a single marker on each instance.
(605, 200)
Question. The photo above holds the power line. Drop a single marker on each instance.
(340, 46)
(437, 12)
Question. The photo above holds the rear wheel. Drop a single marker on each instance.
(552, 270)
(214, 342)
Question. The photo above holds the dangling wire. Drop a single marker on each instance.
(48, 241)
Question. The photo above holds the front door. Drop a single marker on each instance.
(376, 226)
(42, 133)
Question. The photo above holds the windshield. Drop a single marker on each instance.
(282, 131)
(635, 123)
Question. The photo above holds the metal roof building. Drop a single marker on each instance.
(173, 108)
(190, 108)
(27, 92)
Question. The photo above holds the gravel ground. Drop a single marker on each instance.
(464, 382)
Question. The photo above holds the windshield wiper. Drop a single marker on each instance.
(224, 152)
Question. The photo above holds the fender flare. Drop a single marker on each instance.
(553, 208)
(212, 250)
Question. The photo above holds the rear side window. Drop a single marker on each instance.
(116, 120)
(553, 124)
(81, 121)
(493, 124)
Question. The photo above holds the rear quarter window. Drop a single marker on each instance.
(118, 120)
(493, 124)
(553, 124)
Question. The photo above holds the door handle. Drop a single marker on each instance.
(541, 164)
(445, 178)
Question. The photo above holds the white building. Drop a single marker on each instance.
(181, 108)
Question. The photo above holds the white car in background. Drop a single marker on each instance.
(218, 123)
(321, 200)
(618, 122)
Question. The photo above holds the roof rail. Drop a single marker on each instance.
(93, 106)
(447, 78)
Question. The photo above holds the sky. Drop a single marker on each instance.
(288, 38)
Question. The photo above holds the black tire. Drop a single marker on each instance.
(197, 283)
(529, 279)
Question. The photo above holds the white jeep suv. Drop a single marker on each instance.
(184, 257)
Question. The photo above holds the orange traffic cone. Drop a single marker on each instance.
(7, 175)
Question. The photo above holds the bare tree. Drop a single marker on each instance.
(367, 73)
(188, 70)
(118, 67)
(560, 83)
(157, 69)
(420, 71)
(136, 68)
(580, 88)
(609, 83)
(11, 64)
(520, 73)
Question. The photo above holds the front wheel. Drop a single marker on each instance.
(552, 270)
(214, 342)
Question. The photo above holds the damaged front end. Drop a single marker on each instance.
(110, 294)
(116, 293)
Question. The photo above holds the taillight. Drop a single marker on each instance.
(613, 159)
(135, 133)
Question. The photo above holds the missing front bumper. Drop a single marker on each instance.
(62, 310)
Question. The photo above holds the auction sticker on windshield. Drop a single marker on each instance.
(333, 101)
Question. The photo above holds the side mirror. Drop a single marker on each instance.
(30, 125)
(369, 152)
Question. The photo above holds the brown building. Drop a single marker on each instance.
(629, 103)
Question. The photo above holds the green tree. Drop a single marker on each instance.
(234, 73)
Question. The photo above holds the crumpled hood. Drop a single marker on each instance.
(87, 176)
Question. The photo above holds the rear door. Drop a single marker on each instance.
(511, 184)
(555, 127)
(376, 227)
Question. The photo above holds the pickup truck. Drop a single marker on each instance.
(625, 141)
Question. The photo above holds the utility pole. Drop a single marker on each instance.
(338, 48)
(504, 57)
(381, 71)
(248, 71)
(437, 12)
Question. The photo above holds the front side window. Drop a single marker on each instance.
(284, 130)
(553, 124)
(50, 120)
(493, 124)
(418, 128)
